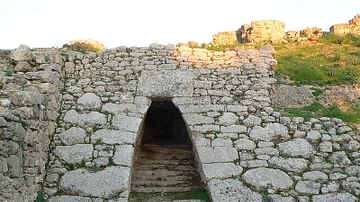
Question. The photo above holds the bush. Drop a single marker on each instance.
(85, 46)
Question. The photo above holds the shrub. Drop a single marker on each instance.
(85, 46)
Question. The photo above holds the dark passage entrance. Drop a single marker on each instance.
(164, 125)
(165, 159)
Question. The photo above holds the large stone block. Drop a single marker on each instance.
(217, 154)
(74, 154)
(113, 137)
(92, 118)
(296, 148)
(73, 136)
(270, 132)
(232, 190)
(90, 101)
(264, 178)
(128, 123)
(221, 170)
(106, 183)
(170, 83)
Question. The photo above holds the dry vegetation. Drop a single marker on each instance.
(85, 46)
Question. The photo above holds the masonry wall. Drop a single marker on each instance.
(246, 150)
(30, 84)
(353, 27)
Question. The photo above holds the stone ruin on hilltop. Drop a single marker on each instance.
(352, 27)
(273, 31)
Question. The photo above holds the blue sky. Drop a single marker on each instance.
(52, 23)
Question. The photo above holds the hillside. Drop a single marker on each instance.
(330, 69)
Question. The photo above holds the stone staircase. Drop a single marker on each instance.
(165, 169)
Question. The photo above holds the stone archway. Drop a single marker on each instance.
(165, 161)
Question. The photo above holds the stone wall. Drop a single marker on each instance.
(273, 31)
(307, 34)
(352, 27)
(30, 85)
(259, 31)
(225, 38)
(245, 149)
(266, 31)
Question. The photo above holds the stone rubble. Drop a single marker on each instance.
(86, 126)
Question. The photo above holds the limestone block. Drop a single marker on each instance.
(341, 197)
(232, 190)
(228, 118)
(104, 183)
(64, 198)
(296, 165)
(271, 131)
(23, 53)
(128, 123)
(221, 170)
(296, 148)
(308, 187)
(113, 137)
(90, 101)
(217, 154)
(72, 136)
(264, 178)
(26, 98)
(74, 154)
(124, 154)
(92, 118)
(171, 83)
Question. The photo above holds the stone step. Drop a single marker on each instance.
(162, 183)
(165, 168)
(175, 167)
(163, 153)
(163, 173)
(145, 161)
(164, 156)
(164, 148)
(167, 179)
(154, 189)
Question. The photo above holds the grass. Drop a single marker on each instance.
(316, 110)
(317, 92)
(333, 60)
(40, 197)
(224, 47)
(197, 194)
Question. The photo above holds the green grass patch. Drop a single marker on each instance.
(40, 197)
(196, 194)
(349, 39)
(333, 60)
(316, 110)
(317, 92)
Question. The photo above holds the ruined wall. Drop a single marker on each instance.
(225, 38)
(352, 27)
(30, 85)
(265, 30)
(307, 34)
(246, 150)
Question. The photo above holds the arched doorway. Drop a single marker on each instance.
(165, 160)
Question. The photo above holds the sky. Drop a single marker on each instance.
(52, 23)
